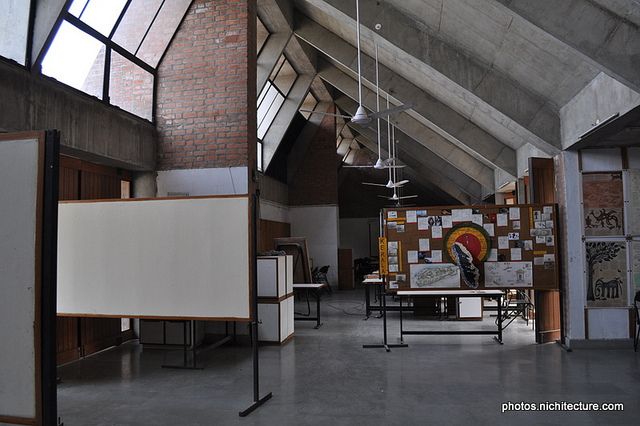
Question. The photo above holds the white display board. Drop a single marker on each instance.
(184, 258)
(20, 211)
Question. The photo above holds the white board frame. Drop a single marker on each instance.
(21, 401)
(153, 279)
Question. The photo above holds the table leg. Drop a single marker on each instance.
(367, 301)
(401, 333)
(500, 319)
(318, 324)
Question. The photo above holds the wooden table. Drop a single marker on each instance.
(453, 293)
(378, 284)
(316, 289)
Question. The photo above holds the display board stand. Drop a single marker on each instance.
(385, 344)
(257, 401)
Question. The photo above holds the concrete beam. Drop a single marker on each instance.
(603, 30)
(89, 129)
(495, 102)
(438, 145)
(434, 114)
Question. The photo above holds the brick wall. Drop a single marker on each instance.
(316, 181)
(206, 101)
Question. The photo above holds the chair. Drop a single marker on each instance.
(636, 305)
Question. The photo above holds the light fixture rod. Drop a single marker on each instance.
(359, 53)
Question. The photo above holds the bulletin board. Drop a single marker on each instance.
(472, 247)
(159, 258)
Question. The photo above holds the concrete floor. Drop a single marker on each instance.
(325, 377)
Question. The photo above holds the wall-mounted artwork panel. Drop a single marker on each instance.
(603, 204)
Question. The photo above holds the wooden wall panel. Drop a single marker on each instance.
(80, 180)
(269, 230)
(547, 303)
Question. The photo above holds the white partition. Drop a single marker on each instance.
(20, 211)
(157, 258)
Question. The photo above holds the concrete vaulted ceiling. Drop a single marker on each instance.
(487, 78)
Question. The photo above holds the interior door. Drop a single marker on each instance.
(541, 186)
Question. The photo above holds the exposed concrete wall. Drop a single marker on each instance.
(599, 100)
(89, 129)
(523, 153)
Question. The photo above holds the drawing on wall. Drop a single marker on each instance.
(435, 275)
(633, 197)
(464, 260)
(603, 199)
(635, 264)
(606, 274)
(508, 274)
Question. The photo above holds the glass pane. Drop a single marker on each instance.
(14, 25)
(606, 274)
(285, 78)
(263, 35)
(135, 23)
(603, 203)
(276, 69)
(100, 15)
(77, 59)
(259, 156)
(161, 31)
(267, 100)
(270, 116)
(309, 104)
(130, 87)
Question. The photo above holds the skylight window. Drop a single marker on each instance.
(274, 94)
(111, 48)
(14, 26)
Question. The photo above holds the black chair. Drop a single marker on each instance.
(636, 305)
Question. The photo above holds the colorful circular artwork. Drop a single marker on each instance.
(473, 237)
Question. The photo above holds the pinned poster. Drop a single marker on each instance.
(423, 244)
(502, 219)
(392, 214)
(461, 215)
(514, 213)
(436, 256)
(412, 256)
(411, 216)
(503, 242)
(516, 254)
(493, 255)
(436, 232)
(423, 223)
(477, 219)
(447, 222)
(490, 228)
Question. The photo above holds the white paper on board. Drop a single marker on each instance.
(392, 214)
(513, 236)
(392, 245)
(540, 240)
(493, 255)
(412, 256)
(516, 254)
(502, 219)
(436, 256)
(490, 228)
(503, 242)
(393, 268)
(436, 232)
(514, 213)
(547, 209)
(447, 222)
(477, 219)
(423, 223)
(538, 261)
(423, 244)
(461, 215)
(549, 241)
(411, 216)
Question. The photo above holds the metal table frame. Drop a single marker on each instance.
(453, 293)
(317, 288)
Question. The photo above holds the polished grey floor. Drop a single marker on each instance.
(325, 377)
